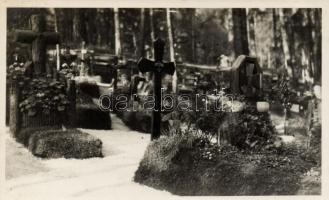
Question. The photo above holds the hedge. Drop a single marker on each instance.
(47, 143)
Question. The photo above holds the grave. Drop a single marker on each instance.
(32, 115)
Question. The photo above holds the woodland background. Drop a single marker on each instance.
(281, 39)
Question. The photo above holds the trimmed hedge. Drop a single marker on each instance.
(58, 143)
(91, 117)
(88, 113)
(193, 166)
(138, 121)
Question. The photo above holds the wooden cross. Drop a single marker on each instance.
(157, 67)
(39, 39)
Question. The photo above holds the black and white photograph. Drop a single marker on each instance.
(103, 101)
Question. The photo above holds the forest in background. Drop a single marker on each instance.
(282, 39)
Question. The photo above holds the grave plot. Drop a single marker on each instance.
(41, 105)
(234, 151)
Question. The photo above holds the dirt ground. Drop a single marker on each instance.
(311, 181)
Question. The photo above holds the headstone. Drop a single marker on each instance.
(246, 76)
(39, 39)
(158, 67)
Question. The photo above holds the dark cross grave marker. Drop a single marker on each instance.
(157, 67)
(39, 39)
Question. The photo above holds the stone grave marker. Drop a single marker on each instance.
(246, 76)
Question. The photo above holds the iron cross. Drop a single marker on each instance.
(157, 67)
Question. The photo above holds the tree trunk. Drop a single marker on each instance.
(291, 38)
(171, 49)
(193, 43)
(251, 32)
(152, 29)
(285, 43)
(53, 11)
(317, 46)
(311, 45)
(79, 28)
(117, 32)
(142, 34)
(240, 31)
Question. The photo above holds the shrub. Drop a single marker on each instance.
(89, 88)
(136, 120)
(194, 166)
(253, 130)
(69, 144)
(89, 115)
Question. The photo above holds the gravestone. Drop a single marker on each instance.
(158, 67)
(104, 65)
(39, 38)
(246, 76)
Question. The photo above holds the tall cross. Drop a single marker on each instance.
(157, 67)
(39, 39)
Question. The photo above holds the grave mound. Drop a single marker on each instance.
(58, 143)
(193, 166)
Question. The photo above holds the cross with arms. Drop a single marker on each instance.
(39, 39)
(157, 67)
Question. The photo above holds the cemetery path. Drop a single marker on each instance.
(102, 178)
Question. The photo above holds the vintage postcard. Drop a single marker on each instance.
(166, 99)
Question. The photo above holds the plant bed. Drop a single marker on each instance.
(89, 115)
(190, 165)
(138, 120)
(70, 143)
